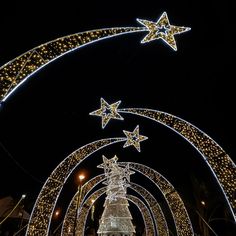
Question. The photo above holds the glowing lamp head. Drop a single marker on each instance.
(203, 203)
(81, 177)
(23, 196)
(57, 213)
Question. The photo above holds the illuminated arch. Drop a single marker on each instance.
(42, 212)
(158, 216)
(180, 216)
(176, 205)
(15, 72)
(221, 165)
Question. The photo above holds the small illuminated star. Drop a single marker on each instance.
(162, 30)
(107, 112)
(127, 172)
(108, 163)
(134, 138)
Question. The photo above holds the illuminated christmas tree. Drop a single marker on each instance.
(116, 218)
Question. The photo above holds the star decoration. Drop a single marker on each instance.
(134, 138)
(162, 30)
(127, 172)
(108, 163)
(107, 112)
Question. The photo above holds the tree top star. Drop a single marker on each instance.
(108, 163)
(134, 138)
(162, 29)
(107, 112)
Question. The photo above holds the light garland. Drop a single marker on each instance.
(221, 165)
(15, 72)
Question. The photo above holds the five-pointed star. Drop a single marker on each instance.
(127, 172)
(162, 30)
(107, 112)
(134, 138)
(108, 163)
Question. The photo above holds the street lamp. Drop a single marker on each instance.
(203, 203)
(81, 177)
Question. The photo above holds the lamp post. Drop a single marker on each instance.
(92, 209)
(81, 177)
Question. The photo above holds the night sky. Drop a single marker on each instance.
(47, 118)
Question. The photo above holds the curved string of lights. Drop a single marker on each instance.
(221, 165)
(16, 71)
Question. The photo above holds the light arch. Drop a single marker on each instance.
(221, 165)
(16, 71)
(87, 204)
(156, 211)
(179, 213)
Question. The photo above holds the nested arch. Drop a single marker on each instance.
(87, 204)
(158, 217)
(45, 203)
(179, 213)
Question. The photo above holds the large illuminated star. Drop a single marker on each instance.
(107, 112)
(162, 30)
(134, 138)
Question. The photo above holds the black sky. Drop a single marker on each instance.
(47, 117)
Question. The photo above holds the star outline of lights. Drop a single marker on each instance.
(134, 138)
(154, 32)
(107, 112)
